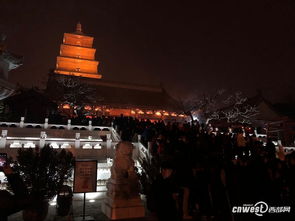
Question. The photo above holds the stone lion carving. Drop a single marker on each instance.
(124, 181)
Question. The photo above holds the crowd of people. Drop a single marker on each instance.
(203, 173)
(206, 173)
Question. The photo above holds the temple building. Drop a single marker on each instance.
(76, 65)
(8, 62)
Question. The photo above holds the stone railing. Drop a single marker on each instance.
(94, 142)
(46, 125)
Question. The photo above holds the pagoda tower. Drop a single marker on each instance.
(77, 57)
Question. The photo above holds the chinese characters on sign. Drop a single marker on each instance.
(85, 176)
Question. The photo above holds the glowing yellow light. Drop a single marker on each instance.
(149, 112)
(166, 114)
(140, 112)
(66, 106)
(181, 115)
(173, 114)
(87, 107)
(132, 112)
(158, 113)
(97, 109)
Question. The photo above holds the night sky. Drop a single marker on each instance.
(188, 46)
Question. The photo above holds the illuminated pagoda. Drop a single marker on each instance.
(76, 62)
(77, 57)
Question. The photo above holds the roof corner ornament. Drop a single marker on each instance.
(79, 28)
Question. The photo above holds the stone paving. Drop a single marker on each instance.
(93, 209)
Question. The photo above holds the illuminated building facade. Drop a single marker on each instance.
(109, 98)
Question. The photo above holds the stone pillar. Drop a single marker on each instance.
(123, 200)
(77, 140)
(90, 125)
(46, 123)
(69, 124)
(3, 139)
(280, 142)
(22, 122)
(42, 139)
(136, 151)
(150, 146)
(109, 141)
(255, 131)
(138, 138)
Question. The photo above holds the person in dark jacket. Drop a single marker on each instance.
(165, 193)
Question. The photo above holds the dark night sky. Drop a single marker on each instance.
(187, 45)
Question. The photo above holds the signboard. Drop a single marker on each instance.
(85, 179)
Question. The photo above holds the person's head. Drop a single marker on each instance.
(166, 169)
(166, 172)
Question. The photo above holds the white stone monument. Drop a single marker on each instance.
(123, 200)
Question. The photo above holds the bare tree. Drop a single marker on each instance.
(203, 107)
(71, 90)
(239, 110)
(219, 106)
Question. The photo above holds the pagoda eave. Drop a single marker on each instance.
(78, 74)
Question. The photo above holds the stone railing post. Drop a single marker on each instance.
(90, 125)
(43, 136)
(137, 150)
(3, 139)
(22, 122)
(150, 146)
(138, 138)
(46, 123)
(69, 124)
(77, 140)
(255, 131)
(109, 141)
